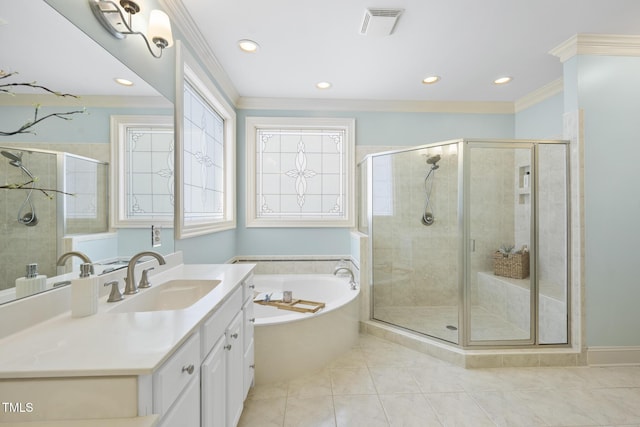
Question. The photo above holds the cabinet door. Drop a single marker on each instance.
(235, 353)
(186, 410)
(213, 389)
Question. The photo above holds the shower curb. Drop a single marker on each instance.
(475, 359)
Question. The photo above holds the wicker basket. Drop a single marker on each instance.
(514, 265)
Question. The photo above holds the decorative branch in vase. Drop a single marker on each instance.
(27, 127)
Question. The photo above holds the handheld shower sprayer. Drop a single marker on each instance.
(427, 214)
(28, 218)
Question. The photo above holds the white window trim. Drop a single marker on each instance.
(252, 125)
(188, 69)
(119, 125)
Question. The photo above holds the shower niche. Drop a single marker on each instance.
(438, 215)
(59, 194)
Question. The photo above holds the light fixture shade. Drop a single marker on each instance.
(160, 27)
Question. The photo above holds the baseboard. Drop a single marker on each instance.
(613, 356)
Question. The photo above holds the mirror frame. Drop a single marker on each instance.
(188, 70)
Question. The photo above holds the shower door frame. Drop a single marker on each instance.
(464, 211)
(464, 341)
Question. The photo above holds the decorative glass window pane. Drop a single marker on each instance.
(205, 153)
(143, 164)
(300, 172)
(203, 158)
(149, 172)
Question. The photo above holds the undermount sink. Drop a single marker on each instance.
(172, 295)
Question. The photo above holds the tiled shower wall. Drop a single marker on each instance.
(22, 245)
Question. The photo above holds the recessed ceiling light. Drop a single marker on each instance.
(248, 46)
(123, 82)
(323, 85)
(430, 80)
(502, 80)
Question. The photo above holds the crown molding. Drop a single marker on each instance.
(598, 44)
(95, 101)
(196, 41)
(248, 103)
(539, 95)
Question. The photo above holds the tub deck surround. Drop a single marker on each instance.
(290, 344)
(115, 344)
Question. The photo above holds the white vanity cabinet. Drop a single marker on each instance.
(204, 383)
(223, 370)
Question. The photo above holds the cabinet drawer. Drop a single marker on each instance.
(175, 374)
(213, 328)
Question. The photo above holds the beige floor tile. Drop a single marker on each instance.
(438, 380)
(352, 381)
(354, 358)
(263, 413)
(409, 410)
(359, 411)
(318, 384)
(505, 409)
(555, 408)
(458, 409)
(315, 411)
(380, 383)
(268, 391)
(389, 380)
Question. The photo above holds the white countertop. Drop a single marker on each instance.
(109, 344)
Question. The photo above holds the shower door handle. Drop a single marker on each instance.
(472, 245)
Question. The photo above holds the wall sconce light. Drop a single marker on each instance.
(119, 25)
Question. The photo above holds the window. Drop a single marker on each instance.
(300, 172)
(143, 170)
(205, 154)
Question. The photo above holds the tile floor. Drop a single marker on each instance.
(379, 383)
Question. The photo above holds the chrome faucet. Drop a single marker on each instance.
(352, 280)
(130, 282)
(85, 259)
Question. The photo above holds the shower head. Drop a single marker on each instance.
(14, 159)
(432, 160)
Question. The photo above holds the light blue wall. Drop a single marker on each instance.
(91, 126)
(542, 120)
(608, 93)
(372, 128)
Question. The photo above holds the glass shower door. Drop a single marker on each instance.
(415, 240)
(499, 207)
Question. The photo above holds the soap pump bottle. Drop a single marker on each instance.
(84, 293)
(32, 283)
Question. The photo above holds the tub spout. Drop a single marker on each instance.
(352, 281)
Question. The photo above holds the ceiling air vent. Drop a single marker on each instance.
(380, 22)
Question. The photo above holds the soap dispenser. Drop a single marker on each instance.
(32, 283)
(84, 293)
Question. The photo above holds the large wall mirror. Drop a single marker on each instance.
(42, 46)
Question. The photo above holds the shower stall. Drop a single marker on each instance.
(45, 196)
(469, 240)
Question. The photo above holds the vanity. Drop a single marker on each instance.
(181, 355)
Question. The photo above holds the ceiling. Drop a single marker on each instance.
(468, 43)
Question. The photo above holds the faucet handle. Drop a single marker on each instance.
(115, 294)
(144, 280)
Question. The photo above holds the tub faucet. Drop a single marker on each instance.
(130, 282)
(352, 281)
(65, 256)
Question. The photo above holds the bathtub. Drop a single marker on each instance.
(289, 344)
